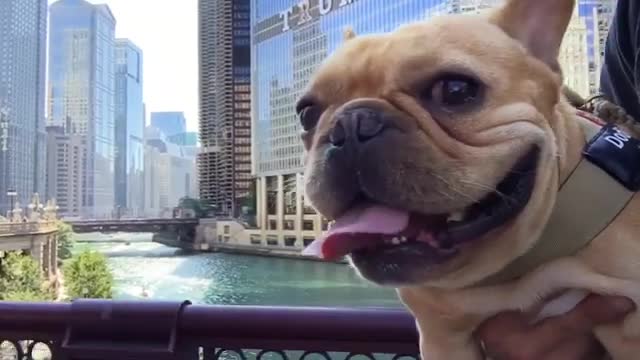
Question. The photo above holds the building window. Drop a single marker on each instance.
(289, 241)
(289, 225)
(272, 195)
(307, 241)
(226, 229)
(325, 225)
(256, 240)
(272, 240)
(307, 225)
(273, 225)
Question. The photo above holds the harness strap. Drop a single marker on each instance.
(586, 204)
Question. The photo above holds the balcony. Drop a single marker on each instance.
(96, 329)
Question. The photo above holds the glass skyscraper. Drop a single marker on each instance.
(22, 92)
(129, 127)
(170, 123)
(82, 94)
(290, 39)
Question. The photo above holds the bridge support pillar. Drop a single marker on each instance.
(53, 254)
(37, 250)
(50, 256)
(46, 258)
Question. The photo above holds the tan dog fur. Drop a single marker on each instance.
(514, 51)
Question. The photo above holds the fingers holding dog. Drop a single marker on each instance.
(509, 336)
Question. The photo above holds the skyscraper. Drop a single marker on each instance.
(170, 123)
(224, 162)
(129, 127)
(23, 25)
(81, 96)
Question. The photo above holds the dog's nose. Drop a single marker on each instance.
(358, 124)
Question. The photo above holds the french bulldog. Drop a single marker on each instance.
(438, 151)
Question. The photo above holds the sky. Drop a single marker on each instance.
(167, 33)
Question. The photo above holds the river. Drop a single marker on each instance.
(141, 266)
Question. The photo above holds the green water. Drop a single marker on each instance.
(167, 274)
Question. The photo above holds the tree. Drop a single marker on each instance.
(21, 279)
(65, 240)
(88, 276)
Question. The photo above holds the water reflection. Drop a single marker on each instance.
(145, 268)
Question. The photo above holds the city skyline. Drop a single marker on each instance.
(96, 121)
(170, 70)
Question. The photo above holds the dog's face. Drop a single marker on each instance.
(433, 147)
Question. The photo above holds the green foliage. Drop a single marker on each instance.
(21, 279)
(65, 240)
(88, 276)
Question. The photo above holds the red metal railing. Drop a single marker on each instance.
(93, 329)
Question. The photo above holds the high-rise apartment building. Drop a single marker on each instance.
(170, 123)
(23, 26)
(82, 96)
(129, 128)
(224, 162)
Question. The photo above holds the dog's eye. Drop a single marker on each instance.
(455, 91)
(309, 116)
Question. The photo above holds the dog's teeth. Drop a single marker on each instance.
(395, 241)
(456, 216)
(403, 239)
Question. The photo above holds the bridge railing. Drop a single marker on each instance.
(103, 330)
(27, 228)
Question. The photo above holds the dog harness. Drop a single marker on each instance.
(595, 193)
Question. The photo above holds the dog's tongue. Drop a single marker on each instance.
(355, 229)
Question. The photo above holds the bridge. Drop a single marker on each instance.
(131, 225)
(175, 232)
(37, 238)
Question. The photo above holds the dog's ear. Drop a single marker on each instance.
(348, 33)
(538, 24)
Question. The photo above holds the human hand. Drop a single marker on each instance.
(509, 336)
